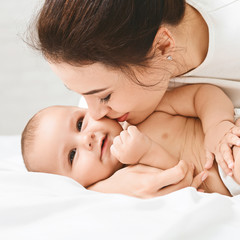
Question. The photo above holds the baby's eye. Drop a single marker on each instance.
(106, 99)
(72, 155)
(79, 124)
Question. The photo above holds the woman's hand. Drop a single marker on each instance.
(146, 182)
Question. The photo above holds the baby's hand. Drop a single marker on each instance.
(219, 142)
(130, 146)
(236, 169)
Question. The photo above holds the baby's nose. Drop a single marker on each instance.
(88, 140)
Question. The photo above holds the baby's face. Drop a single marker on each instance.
(70, 143)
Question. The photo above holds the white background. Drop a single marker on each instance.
(27, 84)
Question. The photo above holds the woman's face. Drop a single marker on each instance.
(112, 93)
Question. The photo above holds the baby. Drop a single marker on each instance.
(65, 140)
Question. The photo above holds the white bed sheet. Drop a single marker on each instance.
(46, 206)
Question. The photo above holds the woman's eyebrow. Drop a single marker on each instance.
(90, 92)
(94, 91)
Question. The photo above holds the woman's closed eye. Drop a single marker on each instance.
(106, 99)
(71, 156)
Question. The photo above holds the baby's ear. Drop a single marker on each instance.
(164, 42)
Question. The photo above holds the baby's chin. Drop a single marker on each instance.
(117, 166)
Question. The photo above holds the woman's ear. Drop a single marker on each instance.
(164, 42)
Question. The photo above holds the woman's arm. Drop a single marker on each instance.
(146, 182)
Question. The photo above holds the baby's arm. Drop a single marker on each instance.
(132, 147)
(214, 108)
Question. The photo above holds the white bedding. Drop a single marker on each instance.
(45, 206)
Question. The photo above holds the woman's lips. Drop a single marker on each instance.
(123, 118)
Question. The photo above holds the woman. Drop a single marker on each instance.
(121, 55)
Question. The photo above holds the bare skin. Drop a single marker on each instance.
(183, 138)
(66, 125)
(170, 138)
(69, 142)
(187, 46)
(162, 139)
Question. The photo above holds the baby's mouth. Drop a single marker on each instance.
(103, 145)
(103, 141)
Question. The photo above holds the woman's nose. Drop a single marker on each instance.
(98, 110)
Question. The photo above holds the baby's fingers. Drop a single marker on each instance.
(233, 139)
(226, 153)
(115, 152)
(124, 136)
(116, 147)
(236, 130)
(133, 130)
(220, 160)
(117, 141)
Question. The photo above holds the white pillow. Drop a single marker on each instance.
(10, 153)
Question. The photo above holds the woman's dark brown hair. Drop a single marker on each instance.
(116, 33)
